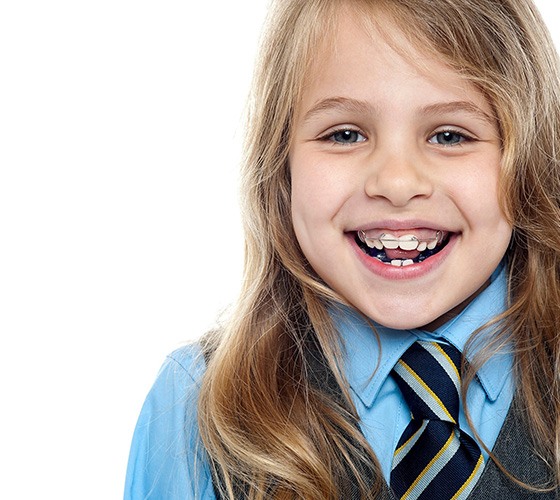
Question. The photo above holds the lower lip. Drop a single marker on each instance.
(413, 271)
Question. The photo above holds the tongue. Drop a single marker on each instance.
(398, 253)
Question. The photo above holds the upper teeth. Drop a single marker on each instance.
(404, 242)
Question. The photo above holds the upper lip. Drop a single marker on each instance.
(402, 226)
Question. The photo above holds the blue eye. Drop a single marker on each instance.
(447, 138)
(346, 136)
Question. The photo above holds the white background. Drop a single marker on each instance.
(120, 127)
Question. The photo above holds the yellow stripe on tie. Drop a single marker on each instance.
(444, 354)
(469, 480)
(428, 390)
(409, 443)
(428, 467)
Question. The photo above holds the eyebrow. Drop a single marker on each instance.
(343, 104)
(458, 107)
(349, 105)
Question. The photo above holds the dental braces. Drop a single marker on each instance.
(404, 242)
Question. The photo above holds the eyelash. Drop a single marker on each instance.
(463, 137)
(329, 137)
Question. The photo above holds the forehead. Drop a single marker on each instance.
(363, 57)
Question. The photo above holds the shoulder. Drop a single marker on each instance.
(177, 384)
(167, 459)
(186, 362)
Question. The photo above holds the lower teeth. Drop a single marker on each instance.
(400, 263)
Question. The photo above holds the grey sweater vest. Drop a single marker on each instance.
(513, 448)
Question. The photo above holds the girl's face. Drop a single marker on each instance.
(406, 153)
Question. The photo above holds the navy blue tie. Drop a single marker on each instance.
(434, 459)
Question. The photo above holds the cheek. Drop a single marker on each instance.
(317, 195)
(321, 184)
(308, 191)
(475, 191)
(304, 199)
(313, 190)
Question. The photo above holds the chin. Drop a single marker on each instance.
(407, 325)
(407, 320)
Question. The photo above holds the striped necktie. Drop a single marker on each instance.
(434, 459)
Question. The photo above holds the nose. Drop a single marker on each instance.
(397, 177)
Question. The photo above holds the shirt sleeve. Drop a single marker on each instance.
(166, 459)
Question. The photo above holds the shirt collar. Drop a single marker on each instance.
(366, 371)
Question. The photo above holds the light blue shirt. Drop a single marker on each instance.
(383, 412)
(167, 461)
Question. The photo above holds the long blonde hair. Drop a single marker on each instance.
(263, 420)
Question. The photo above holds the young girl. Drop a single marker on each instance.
(401, 190)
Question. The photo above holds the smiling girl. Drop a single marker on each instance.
(397, 333)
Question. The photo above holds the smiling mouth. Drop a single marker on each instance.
(401, 251)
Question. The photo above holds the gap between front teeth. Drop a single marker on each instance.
(404, 242)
